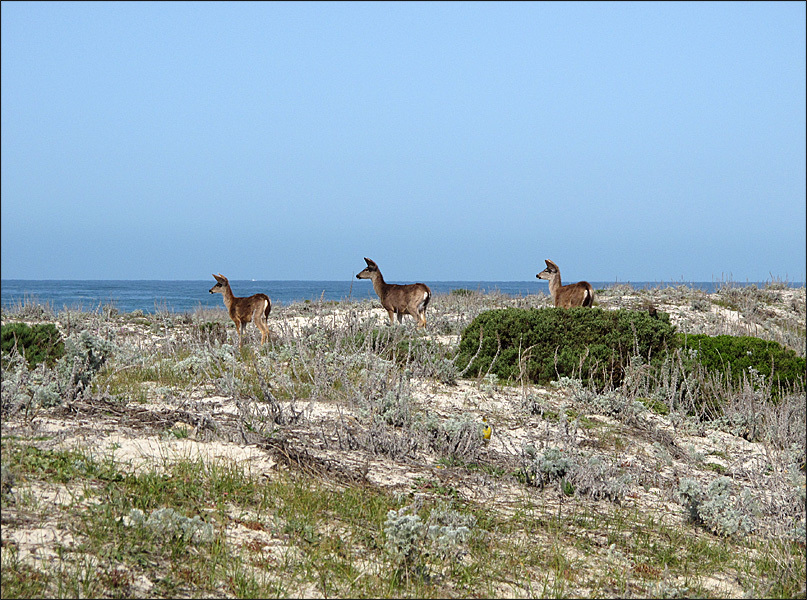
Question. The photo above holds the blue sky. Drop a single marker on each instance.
(446, 141)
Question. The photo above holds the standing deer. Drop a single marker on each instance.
(244, 310)
(411, 299)
(566, 296)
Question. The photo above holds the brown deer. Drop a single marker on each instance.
(411, 299)
(244, 310)
(566, 296)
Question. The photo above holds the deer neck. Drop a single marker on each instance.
(379, 285)
(228, 296)
(554, 284)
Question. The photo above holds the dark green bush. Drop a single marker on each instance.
(737, 354)
(38, 343)
(591, 344)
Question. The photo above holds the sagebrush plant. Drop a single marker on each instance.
(20, 387)
(718, 508)
(576, 473)
(551, 464)
(167, 522)
(82, 356)
(751, 406)
(610, 402)
(411, 540)
(405, 532)
(457, 438)
(29, 308)
(599, 478)
(449, 530)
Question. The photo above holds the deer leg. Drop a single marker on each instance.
(238, 329)
(262, 325)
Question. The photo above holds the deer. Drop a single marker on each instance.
(410, 299)
(243, 310)
(566, 296)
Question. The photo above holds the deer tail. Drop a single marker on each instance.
(427, 295)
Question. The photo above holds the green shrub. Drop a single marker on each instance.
(38, 343)
(740, 355)
(591, 344)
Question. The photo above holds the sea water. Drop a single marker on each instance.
(152, 296)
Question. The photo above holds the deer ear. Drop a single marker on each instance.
(369, 262)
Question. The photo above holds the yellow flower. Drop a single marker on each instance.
(487, 431)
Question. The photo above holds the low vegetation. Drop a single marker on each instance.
(37, 344)
(544, 344)
(736, 357)
(634, 455)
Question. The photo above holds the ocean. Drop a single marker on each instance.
(188, 296)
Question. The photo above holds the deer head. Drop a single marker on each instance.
(368, 271)
(550, 271)
(221, 284)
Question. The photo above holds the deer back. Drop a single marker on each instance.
(245, 308)
(410, 298)
(574, 294)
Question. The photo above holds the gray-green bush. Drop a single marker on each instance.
(717, 508)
